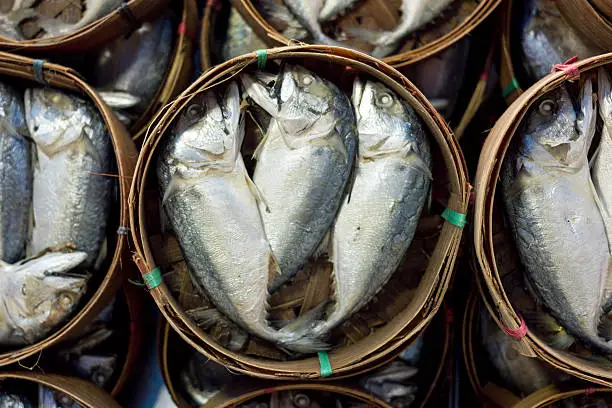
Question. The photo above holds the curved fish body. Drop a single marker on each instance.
(307, 13)
(391, 185)
(303, 163)
(71, 185)
(552, 210)
(546, 39)
(15, 176)
(523, 373)
(415, 14)
(212, 208)
(38, 294)
(333, 8)
(135, 65)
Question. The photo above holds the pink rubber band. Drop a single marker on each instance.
(450, 315)
(569, 67)
(269, 390)
(590, 391)
(182, 29)
(214, 4)
(517, 333)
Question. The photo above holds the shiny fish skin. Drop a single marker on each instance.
(332, 8)
(240, 37)
(15, 176)
(225, 246)
(415, 14)
(13, 401)
(303, 164)
(38, 295)
(71, 194)
(136, 65)
(546, 39)
(523, 373)
(392, 182)
(307, 13)
(551, 207)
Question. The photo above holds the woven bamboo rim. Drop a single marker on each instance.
(273, 38)
(179, 71)
(81, 391)
(507, 76)
(134, 299)
(60, 77)
(91, 36)
(252, 388)
(489, 165)
(492, 395)
(389, 339)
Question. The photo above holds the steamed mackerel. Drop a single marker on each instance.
(72, 188)
(377, 221)
(332, 8)
(303, 163)
(38, 293)
(553, 213)
(15, 176)
(307, 13)
(211, 205)
(546, 39)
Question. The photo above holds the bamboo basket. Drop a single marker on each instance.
(92, 36)
(179, 71)
(494, 249)
(83, 392)
(106, 283)
(401, 313)
(381, 12)
(495, 396)
(170, 345)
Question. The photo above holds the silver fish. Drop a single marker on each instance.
(98, 369)
(396, 371)
(48, 398)
(525, 374)
(240, 37)
(203, 378)
(546, 39)
(15, 176)
(71, 184)
(415, 14)
(307, 13)
(39, 293)
(332, 8)
(280, 17)
(391, 184)
(303, 163)
(552, 210)
(225, 246)
(8, 400)
(135, 65)
(412, 354)
(389, 391)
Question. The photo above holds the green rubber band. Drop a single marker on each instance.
(152, 279)
(262, 58)
(512, 86)
(326, 368)
(455, 218)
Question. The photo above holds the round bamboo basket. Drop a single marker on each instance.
(179, 71)
(170, 345)
(104, 284)
(400, 314)
(92, 36)
(494, 248)
(83, 392)
(495, 396)
(405, 57)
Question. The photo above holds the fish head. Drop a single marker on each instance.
(51, 118)
(48, 292)
(210, 130)
(297, 98)
(551, 135)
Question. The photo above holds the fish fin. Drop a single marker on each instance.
(261, 144)
(298, 335)
(256, 192)
(552, 332)
(324, 246)
(175, 186)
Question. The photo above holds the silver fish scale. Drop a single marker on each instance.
(72, 192)
(15, 176)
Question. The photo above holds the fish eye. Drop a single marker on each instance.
(307, 80)
(385, 100)
(547, 107)
(194, 110)
(65, 301)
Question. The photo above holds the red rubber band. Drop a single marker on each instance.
(450, 316)
(269, 390)
(182, 29)
(484, 76)
(590, 391)
(517, 333)
(214, 4)
(569, 67)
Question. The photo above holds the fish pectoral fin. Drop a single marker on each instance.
(176, 185)
(261, 144)
(256, 192)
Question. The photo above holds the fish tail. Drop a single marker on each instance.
(299, 335)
